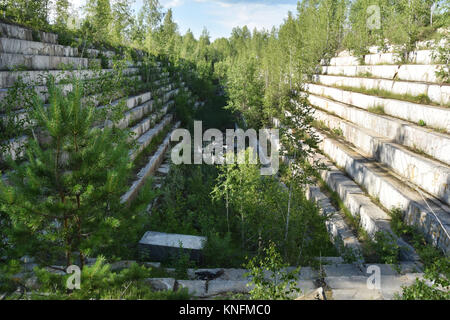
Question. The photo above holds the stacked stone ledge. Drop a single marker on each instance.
(388, 153)
(33, 56)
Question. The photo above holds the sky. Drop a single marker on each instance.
(221, 16)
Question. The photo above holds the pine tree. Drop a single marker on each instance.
(168, 34)
(99, 17)
(65, 197)
(122, 20)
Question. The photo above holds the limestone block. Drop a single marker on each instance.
(428, 174)
(196, 288)
(18, 46)
(435, 144)
(308, 273)
(421, 73)
(16, 32)
(437, 117)
(431, 217)
(39, 62)
(161, 284)
(437, 93)
(342, 270)
(354, 294)
(216, 287)
(149, 168)
(161, 246)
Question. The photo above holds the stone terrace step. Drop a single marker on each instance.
(17, 32)
(143, 126)
(356, 287)
(434, 144)
(139, 105)
(339, 231)
(371, 218)
(10, 61)
(16, 46)
(428, 214)
(437, 117)
(427, 174)
(411, 72)
(437, 93)
(8, 78)
(144, 140)
(342, 281)
(417, 57)
(153, 163)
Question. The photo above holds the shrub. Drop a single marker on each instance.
(99, 282)
(279, 284)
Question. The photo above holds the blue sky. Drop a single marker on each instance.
(220, 16)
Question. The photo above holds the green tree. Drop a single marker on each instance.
(168, 35)
(245, 90)
(122, 21)
(31, 13)
(65, 198)
(99, 17)
(62, 13)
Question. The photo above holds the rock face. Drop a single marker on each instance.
(160, 246)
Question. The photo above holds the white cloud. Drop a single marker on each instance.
(171, 3)
(253, 15)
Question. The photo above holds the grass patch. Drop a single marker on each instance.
(334, 133)
(366, 74)
(377, 110)
(421, 99)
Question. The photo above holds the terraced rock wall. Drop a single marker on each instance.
(385, 131)
(148, 111)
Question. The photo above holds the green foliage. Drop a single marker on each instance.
(183, 109)
(99, 282)
(222, 251)
(442, 56)
(269, 277)
(19, 97)
(382, 248)
(245, 91)
(66, 194)
(182, 263)
(8, 283)
(435, 286)
(99, 18)
(422, 123)
(30, 13)
(401, 22)
(262, 210)
(62, 13)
